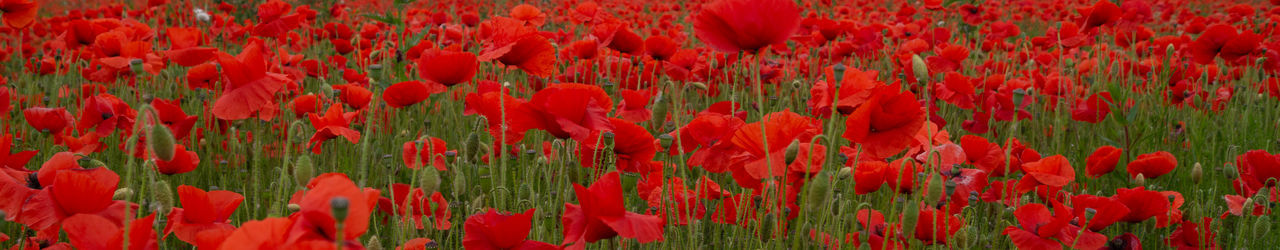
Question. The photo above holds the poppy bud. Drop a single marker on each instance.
(478, 202)
(1140, 180)
(951, 187)
(1230, 171)
(700, 85)
(660, 110)
(1168, 51)
(374, 243)
(303, 170)
(326, 90)
(935, 189)
(792, 151)
(844, 173)
(163, 196)
(122, 194)
(920, 68)
(766, 225)
(459, 183)
(89, 163)
(161, 141)
(1088, 214)
(910, 216)
(376, 66)
(129, 145)
(340, 206)
(1261, 227)
(819, 192)
(233, 139)
(471, 144)
(299, 134)
(430, 179)
(294, 208)
(1197, 173)
(1248, 204)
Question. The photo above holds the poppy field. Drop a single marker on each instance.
(640, 124)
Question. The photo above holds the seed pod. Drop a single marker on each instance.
(838, 69)
(920, 68)
(793, 150)
(430, 179)
(1197, 173)
(340, 206)
(122, 194)
(665, 140)
(162, 194)
(303, 170)
(137, 66)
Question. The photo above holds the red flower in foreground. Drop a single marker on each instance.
(1192, 235)
(447, 67)
(1052, 171)
(572, 110)
(1221, 40)
(13, 160)
(89, 231)
(886, 123)
(1258, 169)
(183, 161)
(601, 214)
(495, 230)
(1152, 165)
(334, 123)
(632, 146)
(1038, 228)
(746, 25)
(1094, 109)
(202, 212)
(420, 152)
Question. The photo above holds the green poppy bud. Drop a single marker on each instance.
(919, 68)
(373, 244)
(303, 170)
(1197, 173)
(792, 151)
(122, 194)
(430, 179)
(935, 189)
(819, 193)
(162, 194)
(294, 208)
(161, 142)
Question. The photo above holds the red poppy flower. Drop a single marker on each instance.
(18, 13)
(1192, 235)
(334, 123)
(983, 154)
(269, 233)
(13, 160)
(1101, 13)
(1106, 210)
(508, 117)
(634, 106)
(1222, 40)
(354, 95)
(707, 137)
(247, 86)
(1143, 204)
(885, 124)
(47, 120)
(749, 25)
(407, 93)
(512, 43)
(185, 47)
(572, 110)
(1258, 169)
(317, 222)
(529, 14)
(601, 214)
(412, 203)
(201, 212)
(1235, 206)
(1152, 165)
(855, 88)
(1052, 171)
(183, 161)
(106, 113)
(202, 76)
(1094, 109)
(305, 104)
(89, 231)
(660, 48)
(495, 230)
(869, 176)
(172, 116)
(273, 21)
(936, 226)
(447, 67)
(70, 190)
(1038, 228)
(766, 141)
(633, 147)
(1102, 161)
(418, 153)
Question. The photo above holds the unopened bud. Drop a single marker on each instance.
(1140, 180)
(792, 151)
(162, 194)
(459, 183)
(294, 208)
(920, 68)
(122, 194)
(935, 189)
(303, 170)
(1261, 227)
(373, 244)
(430, 179)
(844, 173)
(819, 192)
(1197, 173)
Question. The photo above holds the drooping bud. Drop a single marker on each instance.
(793, 150)
(340, 206)
(161, 141)
(1197, 173)
(919, 68)
(162, 194)
(699, 85)
(1230, 171)
(303, 170)
(122, 194)
(660, 109)
(767, 224)
(935, 189)
(430, 179)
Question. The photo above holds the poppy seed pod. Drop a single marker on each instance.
(792, 151)
(136, 66)
(665, 140)
(838, 69)
(340, 206)
(919, 67)
(430, 179)
(1197, 173)
(161, 142)
(303, 170)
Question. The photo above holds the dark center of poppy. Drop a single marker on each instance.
(33, 181)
